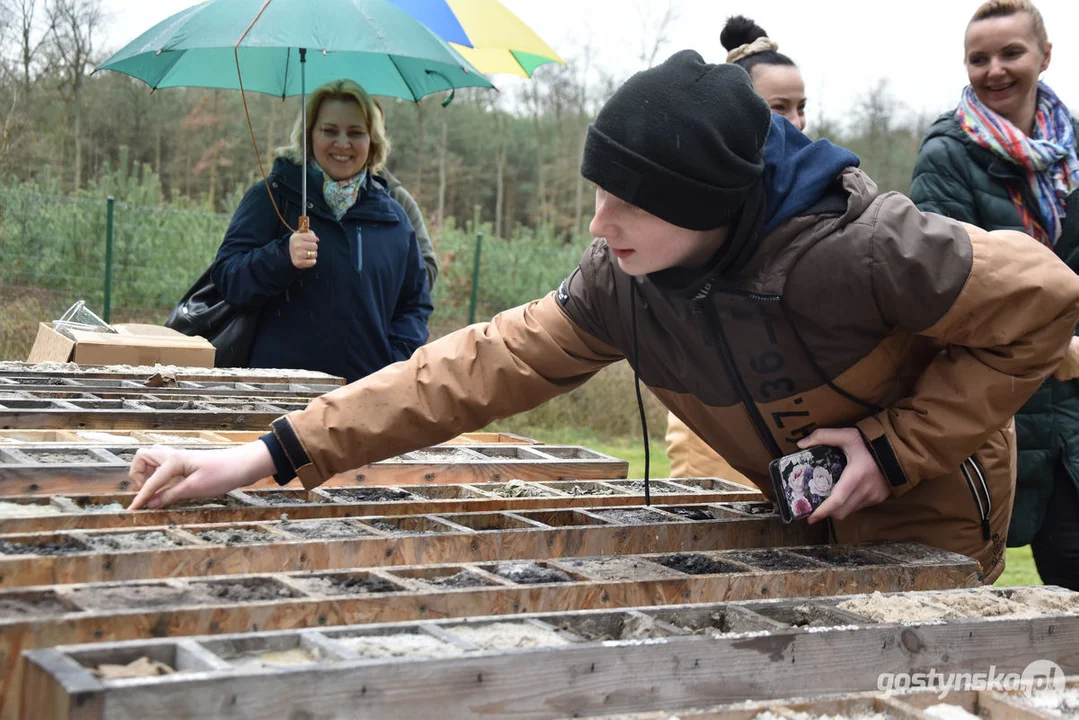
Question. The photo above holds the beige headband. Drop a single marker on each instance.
(761, 44)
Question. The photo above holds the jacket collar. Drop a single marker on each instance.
(374, 203)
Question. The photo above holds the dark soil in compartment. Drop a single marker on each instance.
(349, 585)
(697, 513)
(841, 557)
(65, 546)
(620, 626)
(530, 573)
(694, 564)
(633, 516)
(802, 615)
(253, 590)
(654, 488)
(753, 508)
(409, 526)
(772, 560)
(55, 457)
(133, 596)
(371, 494)
(130, 541)
(37, 604)
(324, 529)
(125, 455)
(463, 579)
(236, 536)
(703, 620)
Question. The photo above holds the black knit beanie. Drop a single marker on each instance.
(683, 141)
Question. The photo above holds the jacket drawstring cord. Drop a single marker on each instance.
(637, 385)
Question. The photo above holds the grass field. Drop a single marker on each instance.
(1019, 569)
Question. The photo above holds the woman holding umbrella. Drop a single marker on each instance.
(350, 295)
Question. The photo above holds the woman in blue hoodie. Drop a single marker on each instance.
(349, 296)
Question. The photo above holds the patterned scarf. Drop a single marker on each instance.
(340, 194)
(1048, 157)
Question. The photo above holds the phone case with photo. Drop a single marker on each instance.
(801, 481)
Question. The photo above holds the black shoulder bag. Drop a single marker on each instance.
(203, 311)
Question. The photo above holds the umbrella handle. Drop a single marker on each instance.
(304, 224)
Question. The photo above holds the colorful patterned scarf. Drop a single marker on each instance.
(1048, 157)
(341, 194)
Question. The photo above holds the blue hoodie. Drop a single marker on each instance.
(798, 171)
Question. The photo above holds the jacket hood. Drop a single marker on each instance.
(798, 171)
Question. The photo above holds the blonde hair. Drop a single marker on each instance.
(1007, 8)
(346, 90)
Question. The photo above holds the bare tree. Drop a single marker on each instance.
(73, 29)
(31, 40)
(654, 34)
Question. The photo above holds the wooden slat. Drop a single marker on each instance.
(516, 539)
(470, 498)
(596, 678)
(420, 601)
(192, 374)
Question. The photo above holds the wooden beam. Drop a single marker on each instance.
(20, 475)
(9, 369)
(84, 512)
(39, 617)
(576, 676)
(466, 537)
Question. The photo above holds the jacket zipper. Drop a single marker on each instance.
(983, 510)
(715, 333)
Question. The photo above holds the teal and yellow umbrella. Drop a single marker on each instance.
(485, 33)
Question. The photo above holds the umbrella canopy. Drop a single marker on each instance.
(282, 47)
(373, 42)
(486, 33)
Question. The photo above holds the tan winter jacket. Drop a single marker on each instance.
(924, 333)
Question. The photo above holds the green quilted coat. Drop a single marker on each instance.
(957, 178)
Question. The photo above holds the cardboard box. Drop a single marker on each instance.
(133, 344)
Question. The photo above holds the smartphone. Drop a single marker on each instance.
(802, 480)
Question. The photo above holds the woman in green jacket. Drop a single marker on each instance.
(1006, 159)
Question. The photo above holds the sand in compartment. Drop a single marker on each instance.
(275, 658)
(14, 510)
(983, 604)
(435, 457)
(372, 494)
(1046, 600)
(1058, 704)
(323, 529)
(398, 530)
(634, 627)
(516, 488)
(402, 645)
(236, 536)
(39, 605)
(896, 608)
(947, 711)
(104, 437)
(132, 596)
(530, 574)
(617, 567)
(63, 458)
(63, 547)
(579, 490)
(131, 541)
(105, 508)
(508, 636)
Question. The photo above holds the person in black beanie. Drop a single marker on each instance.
(769, 296)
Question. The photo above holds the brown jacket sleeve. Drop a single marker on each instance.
(1006, 332)
(456, 384)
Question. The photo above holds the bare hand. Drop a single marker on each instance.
(1069, 368)
(303, 249)
(862, 484)
(165, 475)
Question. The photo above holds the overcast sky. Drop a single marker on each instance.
(843, 46)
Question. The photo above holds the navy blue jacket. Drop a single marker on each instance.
(363, 306)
